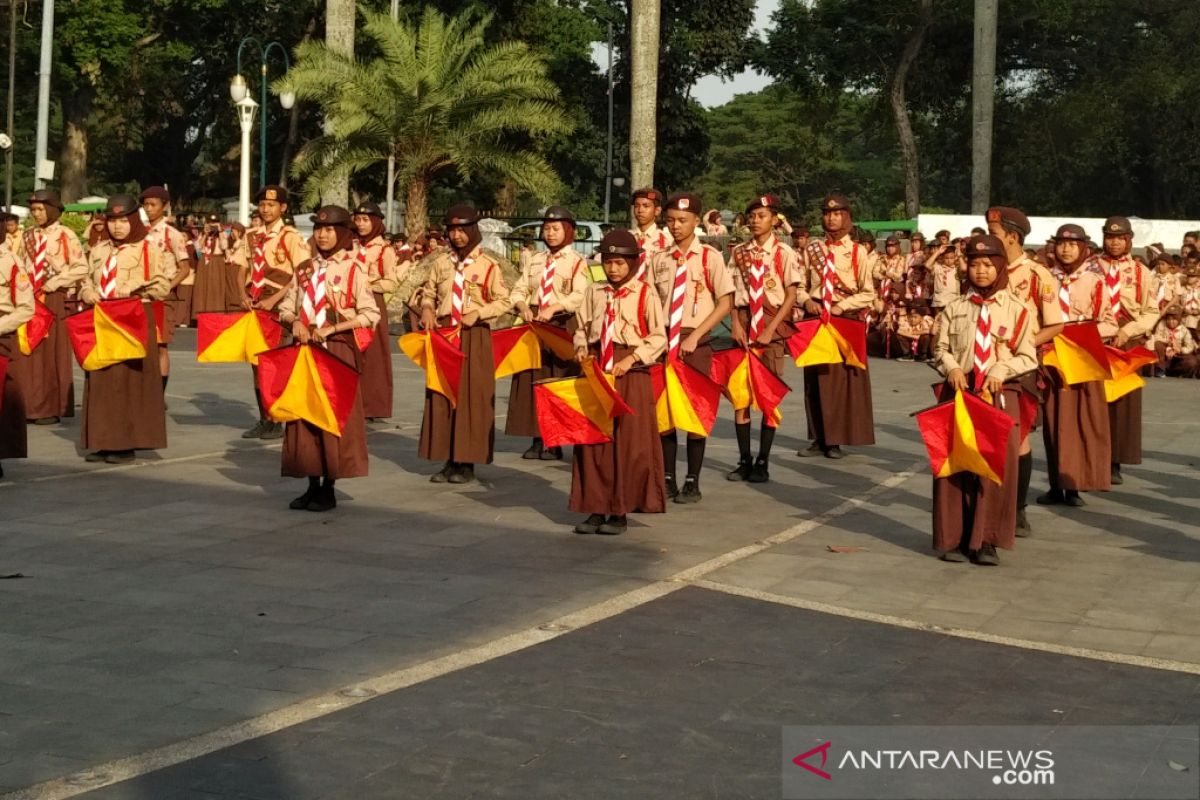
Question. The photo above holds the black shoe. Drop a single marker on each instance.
(953, 556)
(834, 452)
(814, 449)
(120, 457)
(591, 524)
(444, 475)
(534, 451)
(690, 493)
(1, 473)
(272, 430)
(742, 471)
(986, 556)
(47, 421)
(759, 472)
(301, 502)
(672, 487)
(551, 454)
(1054, 497)
(1073, 499)
(96, 457)
(613, 526)
(256, 431)
(464, 474)
(1116, 480)
(1023, 529)
(322, 500)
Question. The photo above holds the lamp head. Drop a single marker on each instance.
(287, 100)
(237, 88)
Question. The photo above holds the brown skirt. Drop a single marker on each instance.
(1078, 450)
(13, 436)
(625, 474)
(1125, 428)
(44, 377)
(466, 434)
(376, 383)
(181, 306)
(309, 452)
(970, 511)
(522, 415)
(123, 404)
(208, 293)
(235, 292)
(837, 400)
(775, 355)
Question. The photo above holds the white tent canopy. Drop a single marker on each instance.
(1168, 232)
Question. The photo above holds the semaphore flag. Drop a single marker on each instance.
(966, 435)
(1079, 354)
(555, 339)
(684, 397)
(108, 333)
(578, 410)
(306, 382)
(837, 340)
(35, 331)
(235, 337)
(516, 349)
(749, 384)
(1124, 366)
(439, 356)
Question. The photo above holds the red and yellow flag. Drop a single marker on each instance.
(748, 383)
(578, 410)
(108, 333)
(684, 398)
(1124, 366)
(35, 331)
(515, 350)
(305, 382)
(555, 339)
(159, 309)
(235, 337)
(836, 341)
(441, 359)
(966, 435)
(1079, 354)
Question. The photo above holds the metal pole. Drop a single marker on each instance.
(12, 88)
(983, 104)
(608, 163)
(246, 120)
(43, 109)
(391, 167)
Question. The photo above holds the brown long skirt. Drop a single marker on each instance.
(1125, 428)
(309, 452)
(1078, 448)
(626, 474)
(208, 293)
(376, 380)
(522, 414)
(970, 511)
(180, 307)
(774, 355)
(13, 436)
(466, 434)
(837, 400)
(44, 377)
(123, 404)
(235, 292)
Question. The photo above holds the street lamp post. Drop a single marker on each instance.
(239, 90)
(245, 110)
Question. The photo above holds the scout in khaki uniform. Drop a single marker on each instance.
(271, 254)
(16, 308)
(946, 285)
(984, 340)
(889, 268)
(464, 293)
(176, 264)
(1130, 289)
(56, 266)
(1175, 346)
(646, 209)
(765, 276)
(123, 406)
(549, 290)
(12, 233)
(1037, 290)
(329, 298)
(837, 397)
(696, 292)
(212, 247)
(378, 259)
(1076, 434)
(620, 324)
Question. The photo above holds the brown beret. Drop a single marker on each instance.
(121, 205)
(272, 192)
(763, 201)
(684, 201)
(984, 246)
(653, 195)
(155, 193)
(370, 209)
(621, 243)
(460, 214)
(1172, 311)
(835, 202)
(1070, 233)
(47, 197)
(331, 215)
(891, 240)
(1011, 218)
(1117, 226)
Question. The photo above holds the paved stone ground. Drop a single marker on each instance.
(179, 595)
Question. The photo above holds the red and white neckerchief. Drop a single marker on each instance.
(458, 299)
(546, 289)
(985, 354)
(642, 238)
(40, 244)
(1064, 290)
(828, 276)
(1162, 295)
(1172, 342)
(678, 292)
(1112, 286)
(756, 278)
(1191, 302)
(313, 311)
(108, 275)
(360, 260)
(608, 326)
(258, 270)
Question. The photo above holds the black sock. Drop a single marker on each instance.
(165, 379)
(1024, 472)
(742, 429)
(670, 446)
(765, 440)
(327, 483)
(314, 483)
(695, 455)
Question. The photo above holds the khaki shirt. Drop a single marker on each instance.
(1191, 307)
(905, 327)
(784, 269)
(707, 281)
(1139, 295)
(1167, 289)
(918, 288)
(15, 242)
(1178, 339)
(889, 268)
(66, 264)
(639, 323)
(381, 265)
(1037, 289)
(139, 271)
(853, 288)
(347, 292)
(946, 285)
(1012, 336)
(1086, 289)
(174, 247)
(284, 251)
(484, 289)
(16, 293)
(653, 240)
(570, 279)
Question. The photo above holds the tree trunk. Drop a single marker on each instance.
(643, 96)
(899, 102)
(416, 207)
(339, 37)
(506, 199)
(73, 157)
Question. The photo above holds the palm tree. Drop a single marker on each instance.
(438, 97)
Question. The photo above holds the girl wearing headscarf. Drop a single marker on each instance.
(375, 255)
(464, 293)
(1076, 432)
(123, 406)
(972, 515)
(16, 308)
(236, 267)
(328, 298)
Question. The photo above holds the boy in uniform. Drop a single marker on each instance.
(646, 209)
(176, 264)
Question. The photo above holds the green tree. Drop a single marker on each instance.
(438, 97)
